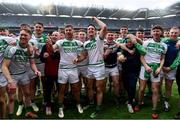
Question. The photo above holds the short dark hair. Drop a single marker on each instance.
(2, 29)
(69, 25)
(110, 32)
(24, 24)
(40, 23)
(175, 27)
(28, 31)
(157, 27)
(140, 30)
(82, 30)
(92, 26)
(124, 26)
(166, 30)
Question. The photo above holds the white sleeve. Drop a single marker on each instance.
(9, 52)
(8, 39)
(99, 40)
(59, 43)
(165, 50)
(84, 45)
(33, 42)
(79, 43)
(145, 43)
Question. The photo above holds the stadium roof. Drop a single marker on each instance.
(53, 9)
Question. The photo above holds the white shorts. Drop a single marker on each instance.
(119, 66)
(97, 72)
(152, 78)
(68, 75)
(41, 67)
(82, 71)
(30, 73)
(21, 79)
(171, 75)
(112, 71)
(3, 81)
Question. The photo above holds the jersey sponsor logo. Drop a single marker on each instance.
(41, 42)
(155, 48)
(21, 56)
(3, 45)
(90, 46)
(70, 47)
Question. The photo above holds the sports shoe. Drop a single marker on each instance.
(48, 111)
(20, 109)
(34, 106)
(130, 109)
(80, 109)
(61, 113)
(31, 115)
(94, 114)
(154, 114)
(166, 106)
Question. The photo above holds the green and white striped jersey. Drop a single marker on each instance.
(120, 40)
(4, 42)
(39, 43)
(19, 58)
(154, 50)
(69, 50)
(95, 49)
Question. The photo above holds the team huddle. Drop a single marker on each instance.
(86, 60)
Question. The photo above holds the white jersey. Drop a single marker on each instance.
(120, 40)
(38, 43)
(95, 51)
(19, 58)
(83, 63)
(68, 52)
(33, 42)
(4, 42)
(154, 51)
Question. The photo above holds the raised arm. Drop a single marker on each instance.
(123, 47)
(139, 40)
(137, 45)
(103, 27)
